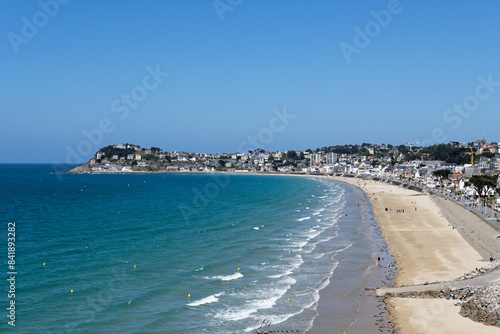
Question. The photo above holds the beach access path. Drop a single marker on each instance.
(477, 281)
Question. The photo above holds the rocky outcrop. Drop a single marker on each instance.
(76, 170)
(477, 293)
(479, 271)
(484, 305)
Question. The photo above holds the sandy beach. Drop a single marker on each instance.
(423, 236)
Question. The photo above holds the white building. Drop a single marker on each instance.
(331, 158)
(315, 158)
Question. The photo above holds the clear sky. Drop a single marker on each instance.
(229, 75)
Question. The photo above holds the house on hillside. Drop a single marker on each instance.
(458, 181)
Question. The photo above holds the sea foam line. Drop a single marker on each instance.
(234, 276)
(206, 300)
(256, 303)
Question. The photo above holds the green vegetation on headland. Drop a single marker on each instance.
(470, 168)
(365, 157)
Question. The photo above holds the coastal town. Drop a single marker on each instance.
(461, 168)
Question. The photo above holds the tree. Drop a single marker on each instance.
(487, 154)
(155, 150)
(442, 173)
(291, 155)
(151, 157)
(483, 184)
(402, 148)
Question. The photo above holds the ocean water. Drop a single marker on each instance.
(174, 253)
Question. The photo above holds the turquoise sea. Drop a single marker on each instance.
(181, 253)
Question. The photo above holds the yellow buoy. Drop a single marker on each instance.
(44, 264)
(189, 295)
(71, 290)
(134, 266)
(238, 269)
(288, 299)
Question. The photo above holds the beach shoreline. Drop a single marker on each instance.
(431, 239)
(348, 298)
(423, 236)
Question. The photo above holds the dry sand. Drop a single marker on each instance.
(427, 248)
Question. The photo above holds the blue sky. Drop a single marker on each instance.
(234, 65)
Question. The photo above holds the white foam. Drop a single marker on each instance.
(280, 275)
(272, 319)
(206, 300)
(234, 276)
(271, 296)
(256, 228)
(302, 219)
(235, 314)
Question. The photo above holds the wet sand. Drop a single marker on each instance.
(345, 305)
(427, 248)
